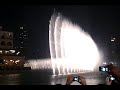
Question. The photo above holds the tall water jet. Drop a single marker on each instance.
(71, 49)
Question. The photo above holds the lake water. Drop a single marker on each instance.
(45, 77)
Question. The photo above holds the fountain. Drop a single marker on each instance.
(72, 50)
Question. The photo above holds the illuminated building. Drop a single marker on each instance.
(8, 55)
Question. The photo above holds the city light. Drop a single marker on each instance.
(17, 53)
(9, 34)
(17, 61)
(112, 40)
(11, 60)
(21, 27)
(13, 51)
(0, 51)
(6, 51)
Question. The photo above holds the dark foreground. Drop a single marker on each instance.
(45, 77)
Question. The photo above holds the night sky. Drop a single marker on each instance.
(99, 21)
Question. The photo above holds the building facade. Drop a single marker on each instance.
(9, 56)
(6, 40)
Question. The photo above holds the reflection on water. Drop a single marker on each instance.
(46, 78)
(9, 79)
(92, 78)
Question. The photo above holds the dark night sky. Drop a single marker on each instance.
(100, 21)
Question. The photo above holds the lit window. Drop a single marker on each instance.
(9, 34)
(6, 51)
(0, 51)
(11, 60)
(112, 40)
(21, 42)
(17, 53)
(13, 51)
(17, 61)
(21, 27)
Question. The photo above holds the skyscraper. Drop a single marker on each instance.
(21, 38)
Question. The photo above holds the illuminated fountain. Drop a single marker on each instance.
(39, 64)
(72, 49)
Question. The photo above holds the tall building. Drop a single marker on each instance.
(21, 39)
(8, 55)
